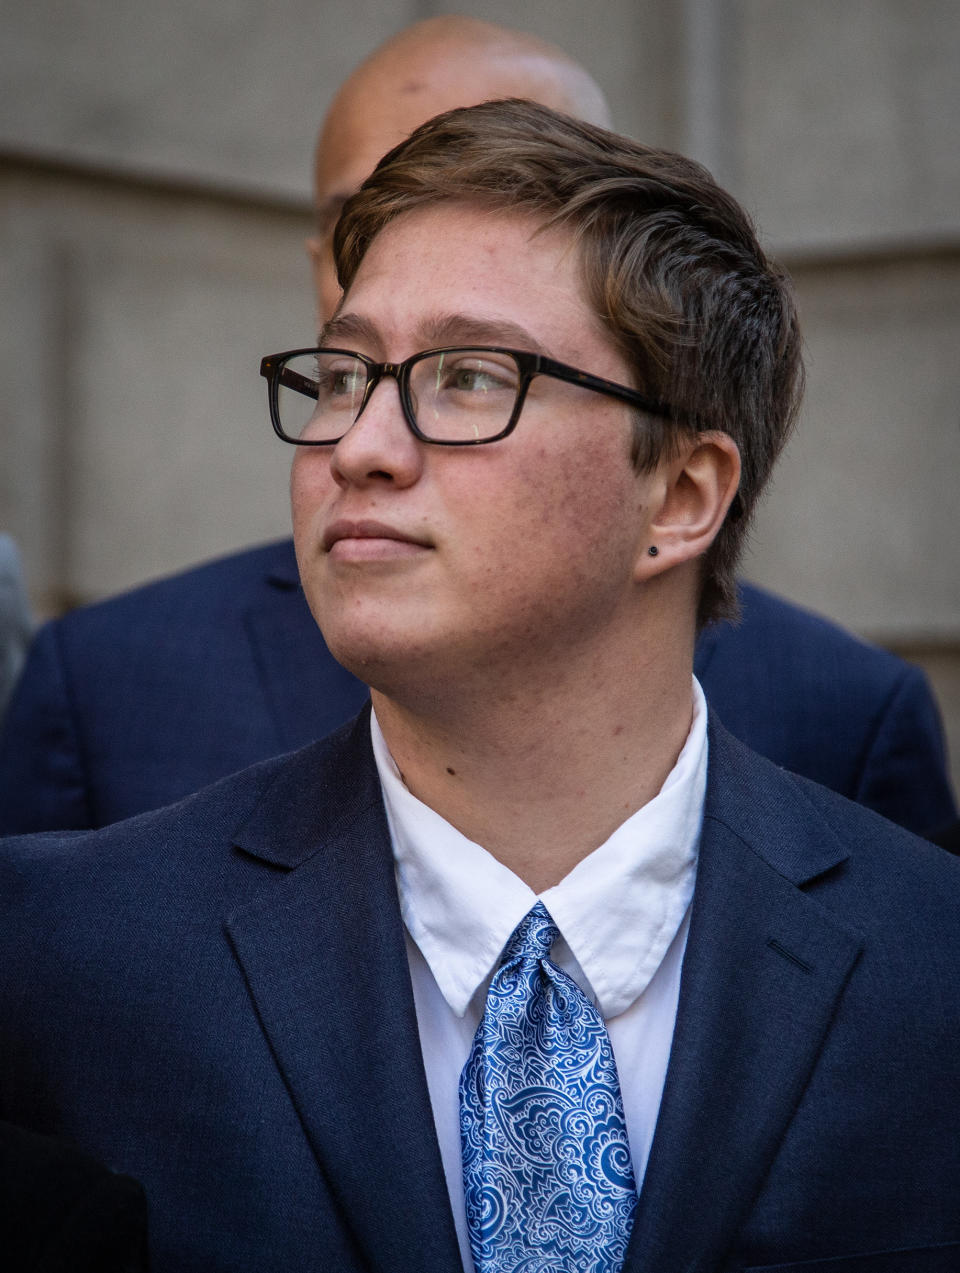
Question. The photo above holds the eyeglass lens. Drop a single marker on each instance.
(462, 395)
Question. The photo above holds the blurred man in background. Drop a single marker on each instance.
(135, 702)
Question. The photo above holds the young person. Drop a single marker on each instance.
(532, 966)
(135, 702)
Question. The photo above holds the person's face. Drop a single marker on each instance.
(421, 557)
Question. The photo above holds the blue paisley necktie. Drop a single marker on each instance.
(546, 1164)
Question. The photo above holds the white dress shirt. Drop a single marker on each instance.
(623, 914)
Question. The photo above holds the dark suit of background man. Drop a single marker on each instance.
(133, 703)
(270, 989)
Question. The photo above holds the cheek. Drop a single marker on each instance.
(574, 514)
(587, 497)
(296, 489)
(309, 486)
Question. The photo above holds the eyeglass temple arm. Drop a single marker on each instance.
(289, 379)
(560, 371)
(293, 380)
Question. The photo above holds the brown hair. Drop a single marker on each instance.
(670, 263)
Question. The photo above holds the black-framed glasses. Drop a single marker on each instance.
(457, 396)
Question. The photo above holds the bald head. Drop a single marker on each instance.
(430, 67)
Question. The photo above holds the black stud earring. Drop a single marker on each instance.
(653, 550)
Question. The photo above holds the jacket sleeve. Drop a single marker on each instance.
(903, 774)
(43, 784)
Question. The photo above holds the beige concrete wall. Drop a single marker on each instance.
(135, 430)
(859, 517)
(227, 92)
(154, 178)
(845, 114)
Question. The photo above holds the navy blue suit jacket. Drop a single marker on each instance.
(215, 999)
(133, 703)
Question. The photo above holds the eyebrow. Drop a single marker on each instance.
(441, 329)
(467, 329)
(348, 327)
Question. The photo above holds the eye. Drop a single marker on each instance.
(471, 374)
(346, 381)
(340, 379)
(472, 379)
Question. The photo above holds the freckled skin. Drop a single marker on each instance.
(533, 539)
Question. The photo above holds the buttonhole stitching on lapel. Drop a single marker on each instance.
(788, 954)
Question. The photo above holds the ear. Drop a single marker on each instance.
(696, 489)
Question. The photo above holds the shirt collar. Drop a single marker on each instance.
(618, 910)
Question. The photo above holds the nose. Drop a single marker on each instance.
(379, 447)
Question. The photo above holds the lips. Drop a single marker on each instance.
(344, 529)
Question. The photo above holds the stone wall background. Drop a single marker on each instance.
(154, 186)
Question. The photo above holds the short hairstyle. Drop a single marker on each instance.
(670, 263)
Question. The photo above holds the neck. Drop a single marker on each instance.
(541, 779)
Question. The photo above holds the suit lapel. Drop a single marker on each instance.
(308, 694)
(764, 968)
(324, 956)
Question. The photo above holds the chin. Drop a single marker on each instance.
(413, 674)
(379, 659)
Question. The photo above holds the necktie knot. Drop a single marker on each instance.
(533, 937)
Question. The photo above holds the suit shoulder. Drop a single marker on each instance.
(206, 592)
(801, 826)
(192, 826)
(187, 857)
(188, 840)
(863, 828)
(901, 895)
(824, 703)
(772, 624)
